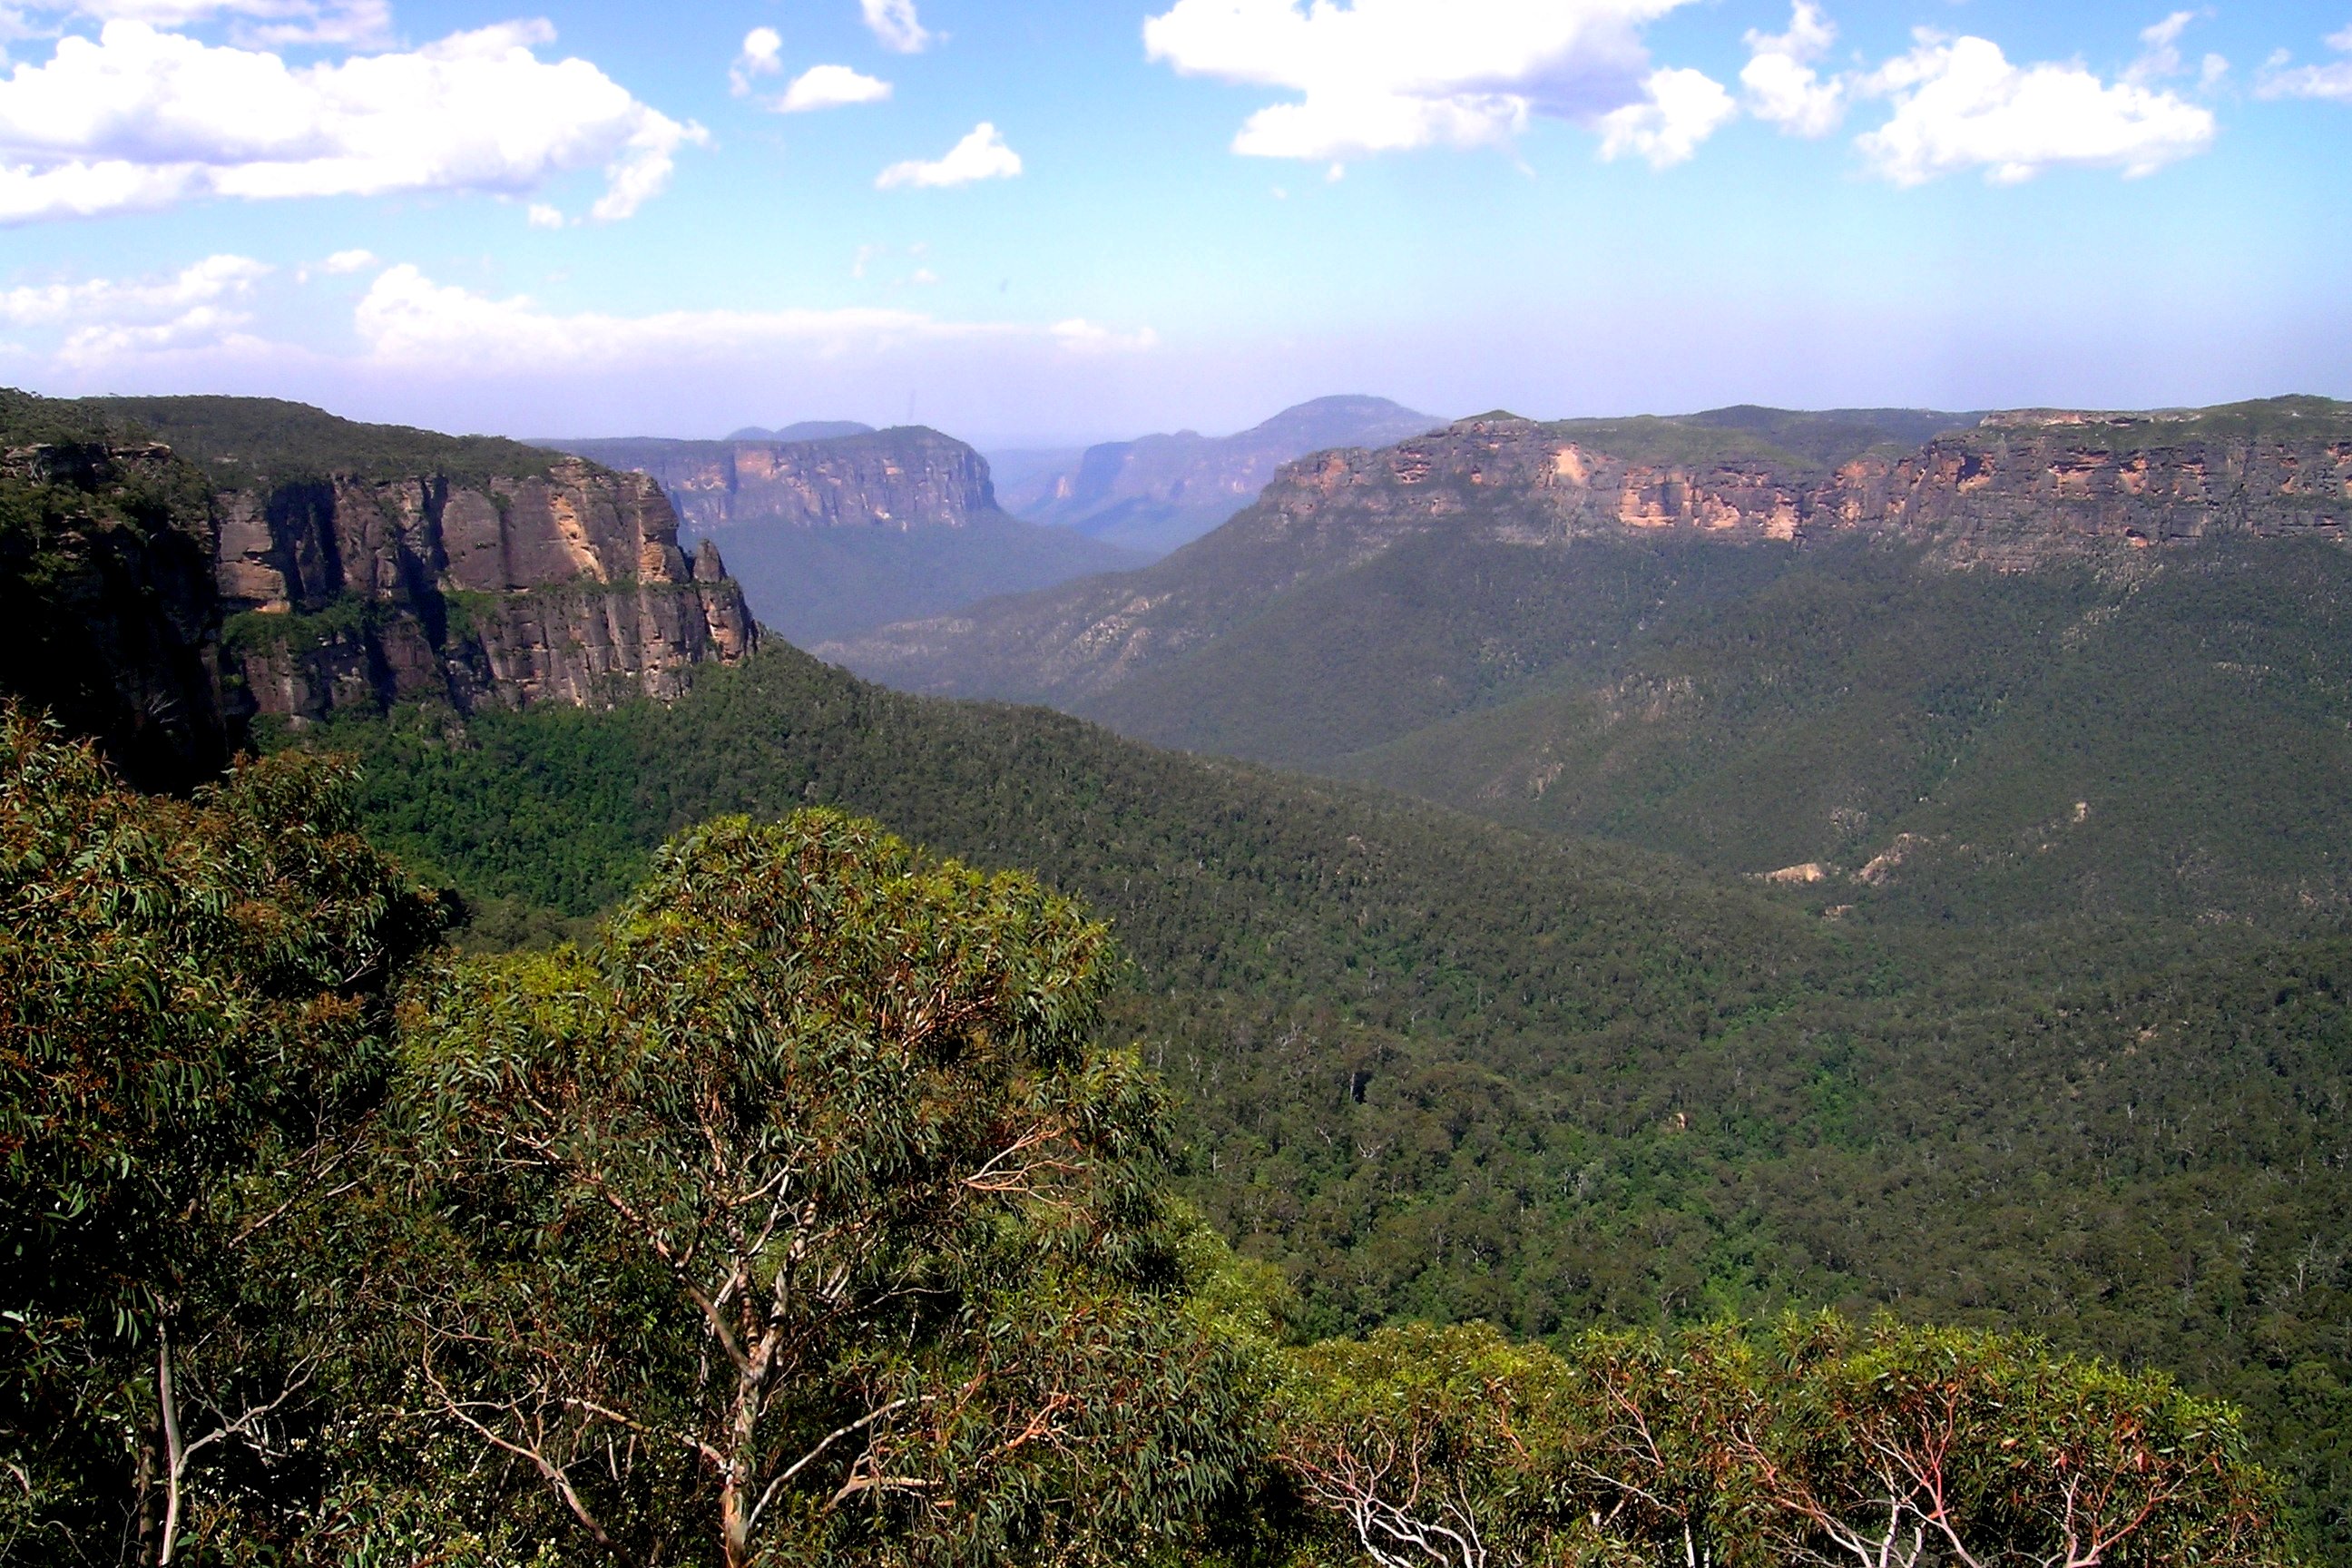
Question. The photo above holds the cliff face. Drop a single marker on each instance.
(2014, 493)
(107, 617)
(898, 479)
(565, 586)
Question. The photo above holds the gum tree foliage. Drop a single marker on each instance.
(192, 1027)
(804, 1216)
(1890, 1447)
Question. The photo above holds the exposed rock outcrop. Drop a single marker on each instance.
(564, 587)
(2012, 493)
(901, 479)
(2017, 491)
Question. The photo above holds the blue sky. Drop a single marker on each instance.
(596, 218)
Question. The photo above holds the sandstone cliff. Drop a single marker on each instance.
(2015, 492)
(898, 479)
(566, 587)
(266, 559)
(832, 537)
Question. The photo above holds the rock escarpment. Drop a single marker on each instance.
(507, 590)
(265, 559)
(899, 479)
(2014, 492)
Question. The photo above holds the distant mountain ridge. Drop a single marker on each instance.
(2013, 492)
(1769, 642)
(845, 531)
(1158, 492)
(806, 430)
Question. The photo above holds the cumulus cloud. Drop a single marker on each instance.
(762, 54)
(407, 319)
(1960, 105)
(982, 155)
(831, 87)
(107, 318)
(206, 282)
(1390, 75)
(1081, 336)
(1784, 87)
(141, 118)
(2333, 80)
(895, 24)
(347, 261)
(1680, 109)
(267, 24)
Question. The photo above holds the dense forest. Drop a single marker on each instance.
(1428, 1068)
(809, 1123)
(807, 1213)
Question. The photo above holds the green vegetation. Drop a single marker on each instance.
(2159, 740)
(803, 1216)
(1433, 1068)
(245, 442)
(1895, 1447)
(106, 587)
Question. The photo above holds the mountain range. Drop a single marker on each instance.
(833, 528)
(1815, 645)
(1885, 872)
(1156, 492)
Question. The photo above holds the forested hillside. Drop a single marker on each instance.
(1430, 1067)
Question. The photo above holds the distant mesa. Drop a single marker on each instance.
(806, 430)
(850, 527)
(2009, 493)
(1158, 492)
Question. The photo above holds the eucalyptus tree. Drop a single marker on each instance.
(806, 1217)
(192, 1028)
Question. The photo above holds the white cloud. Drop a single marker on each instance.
(267, 24)
(539, 214)
(1683, 108)
(348, 261)
(1783, 87)
(1081, 336)
(106, 319)
(982, 155)
(1390, 75)
(831, 87)
(141, 118)
(762, 54)
(895, 24)
(406, 319)
(2328, 82)
(2161, 44)
(208, 281)
(1960, 105)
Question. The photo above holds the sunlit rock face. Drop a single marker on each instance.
(563, 586)
(901, 479)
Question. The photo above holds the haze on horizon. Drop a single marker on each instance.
(1056, 221)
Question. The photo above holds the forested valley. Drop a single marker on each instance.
(797, 1121)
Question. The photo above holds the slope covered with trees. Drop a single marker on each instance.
(805, 1216)
(1430, 1067)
